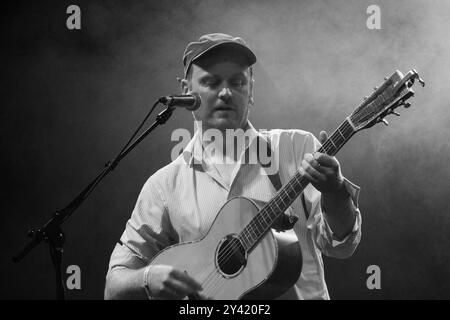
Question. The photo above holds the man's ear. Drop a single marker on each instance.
(184, 84)
(251, 100)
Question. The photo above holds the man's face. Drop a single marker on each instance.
(225, 87)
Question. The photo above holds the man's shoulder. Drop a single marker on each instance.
(167, 175)
(292, 141)
(294, 135)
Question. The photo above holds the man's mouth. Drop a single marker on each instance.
(224, 108)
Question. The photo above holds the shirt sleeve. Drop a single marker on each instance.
(147, 231)
(320, 230)
(322, 234)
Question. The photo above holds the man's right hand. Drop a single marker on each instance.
(167, 282)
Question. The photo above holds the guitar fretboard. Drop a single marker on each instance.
(264, 220)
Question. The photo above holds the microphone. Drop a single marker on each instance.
(190, 101)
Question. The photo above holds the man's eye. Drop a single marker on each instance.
(238, 82)
(211, 83)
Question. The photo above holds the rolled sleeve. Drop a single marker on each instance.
(353, 191)
(123, 257)
(323, 235)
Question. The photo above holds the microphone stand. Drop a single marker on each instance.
(51, 231)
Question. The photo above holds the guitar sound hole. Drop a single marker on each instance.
(231, 256)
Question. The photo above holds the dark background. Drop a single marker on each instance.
(72, 98)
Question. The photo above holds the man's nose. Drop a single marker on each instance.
(225, 93)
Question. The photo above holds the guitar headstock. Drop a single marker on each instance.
(393, 93)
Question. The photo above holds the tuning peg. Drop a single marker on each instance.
(396, 113)
(375, 88)
(385, 78)
(407, 105)
(421, 82)
(365, 98)
(385, 122)
(418, 77)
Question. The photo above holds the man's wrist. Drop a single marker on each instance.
(339, 212)
(145, 283)
(336, 198)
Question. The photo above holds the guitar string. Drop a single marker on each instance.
(231, 249)
(219, 281)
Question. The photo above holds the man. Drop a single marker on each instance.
(179, 202)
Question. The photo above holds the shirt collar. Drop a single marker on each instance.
(194, 149)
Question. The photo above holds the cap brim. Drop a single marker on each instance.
(251, 58)
(249, 55)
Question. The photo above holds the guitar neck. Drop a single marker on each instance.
(264, 220)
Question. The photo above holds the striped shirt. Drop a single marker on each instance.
(180, 202)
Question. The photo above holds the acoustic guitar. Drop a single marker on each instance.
(242, 256)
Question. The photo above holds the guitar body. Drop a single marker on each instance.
(272, 266)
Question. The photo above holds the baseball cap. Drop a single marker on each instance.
(207, 42)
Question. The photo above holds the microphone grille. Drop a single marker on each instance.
(197, 103)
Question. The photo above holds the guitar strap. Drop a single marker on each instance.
(287, 221)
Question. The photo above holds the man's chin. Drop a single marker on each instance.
(223, 124)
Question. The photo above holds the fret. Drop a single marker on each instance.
(263, 216)
(340, 133)
(258, 219)
(335, 138)
(289, 185)
(281, 197)
(264, 219)
(276, 209)
(244, 239)
(275, 200)
(296, 179)
(270, 220)
(324, 147)
(331, 140)
(343, 132)
(270, 210)
(249, 238)
(262, 226)
(250, 232)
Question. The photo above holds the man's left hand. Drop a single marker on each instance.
(323, 171)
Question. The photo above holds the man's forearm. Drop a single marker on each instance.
(339, 212)
(123, 283)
